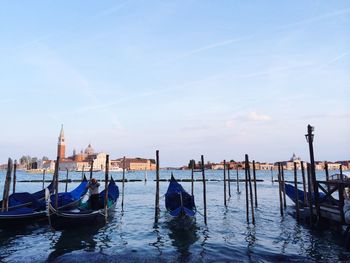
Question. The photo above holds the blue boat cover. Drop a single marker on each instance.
(290, 191)
(18, 199)
(40, 205)
(178, 201)
(113, 193)
(69, 197)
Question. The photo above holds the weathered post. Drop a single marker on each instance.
(310, 194)
(251, 194)
(304, 183)
(310, 137)
(123, 182)
(246, 167)
(91, 168)
(237, 179)
(229, 181)
(82, 173)
(225, 183)
(67, 173)
(341, 194)
(14, 177)
(327, 174)
(7, 186)
(271, 174)
(106, 188)
(280, 188)
(156, 212)
(192, 177)
(255, 191)
(283, 188)
(204, 190)
(57, 166)
(341, 172)
(296, 190)
(44, 173)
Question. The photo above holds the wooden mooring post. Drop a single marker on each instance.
(250, 192)
(44, 173)
(271, 174)
(237, 180)
(123, 183)
(106, 188)
(156, 211)
(192, 177)
(7, 184)
(14, 177)
(225, 204)
(229, 181)
(82, 173)
(280, 188)
(91, 168)
(304, 182)
(341, 194)
(310, 194)
(204, 190)
(67, 174)
(246, 167)
(283, 188)
(310, 138)
(57, 166)
(327, 174)
(296, 190)
(255, 190)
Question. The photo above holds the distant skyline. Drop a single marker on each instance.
(219, 78)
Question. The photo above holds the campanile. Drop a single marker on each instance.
(61, 147)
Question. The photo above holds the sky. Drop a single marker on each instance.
(218, 78)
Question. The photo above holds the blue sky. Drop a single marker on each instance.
(219, 78)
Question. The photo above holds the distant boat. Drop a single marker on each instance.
(83, 215)
(37, 210)
(178, 202)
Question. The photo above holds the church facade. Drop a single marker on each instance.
(79, 161)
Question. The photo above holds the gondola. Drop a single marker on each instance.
(178, 202)
(290, 192)
(23, 199)
(83, 215)
(37, 210)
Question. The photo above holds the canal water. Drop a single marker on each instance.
(131, 236)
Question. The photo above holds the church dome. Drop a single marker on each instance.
(89, 150)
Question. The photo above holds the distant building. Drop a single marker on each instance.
(81, 161)
(135, 164)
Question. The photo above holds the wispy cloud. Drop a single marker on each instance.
(252, 116)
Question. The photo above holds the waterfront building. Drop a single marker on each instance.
(79, 161)
(135, 164)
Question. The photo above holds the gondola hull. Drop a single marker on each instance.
(178, 202)
(291, 193)
(82, 216)
(71, 220)
(22, 216)
(20, 220)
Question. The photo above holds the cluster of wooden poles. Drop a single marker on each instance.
(227, 184)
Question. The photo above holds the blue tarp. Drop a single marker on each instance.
(177, 200)
(113, 193)
(290, 191)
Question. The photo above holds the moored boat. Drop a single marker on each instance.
(36, 211)
(83, 215)
(177, 201)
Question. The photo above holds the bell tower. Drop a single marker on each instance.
(61, 147)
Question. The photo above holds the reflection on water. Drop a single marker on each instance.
(182, 233)
(131, 235)
(71, 240)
